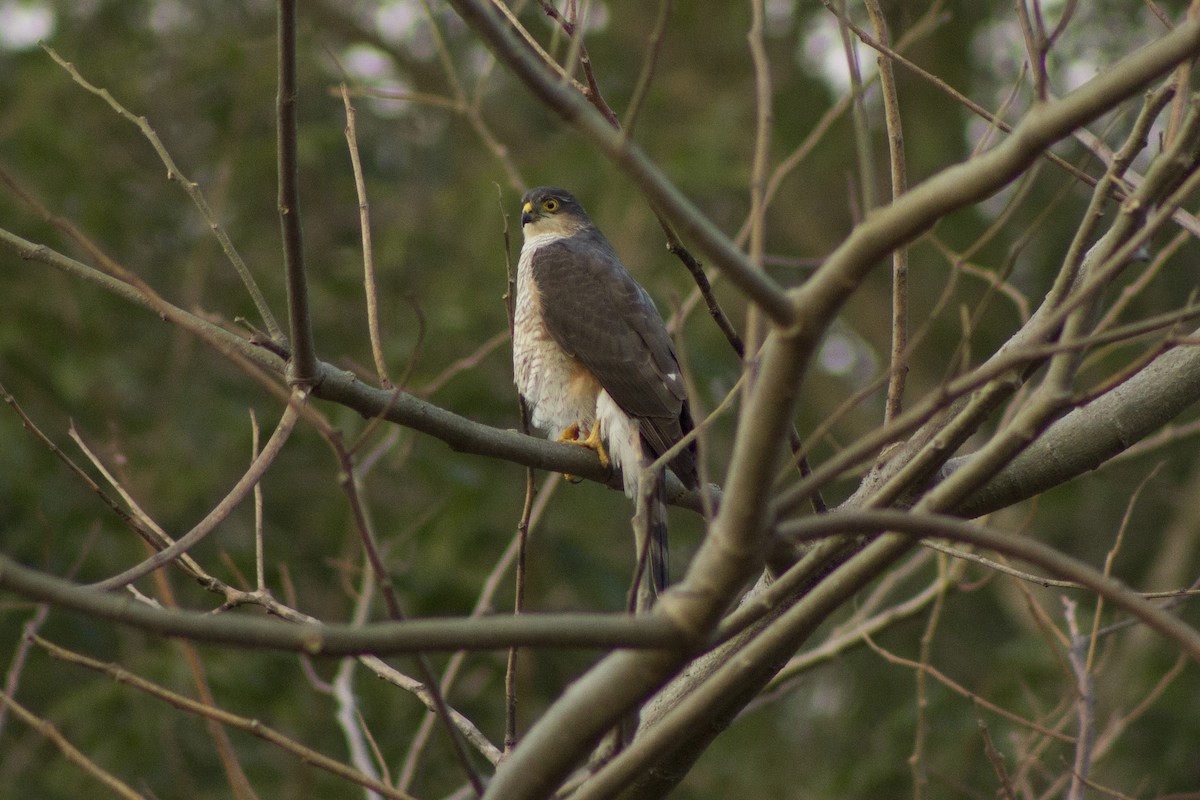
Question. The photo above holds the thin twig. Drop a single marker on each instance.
(649, 62)
(1118, 725)
(472, 107)
(137, 522)
(227, 754)
(1035, 49)
(522, 536)
(260, 359)
(546, 58)
(757, 219)
(958, 96)
(1117, 165)
(1084, 701)
(302, 366)
(676, 248)
(926, 525)
(510, 670)
(898, 371)
(418, 689)
(209, 711)
(12, 678)
(392, 601)
(260, 579)
(763, 114)
(193, 190)
(1060, 27)
(997, 761)
(219, 512)
(70, 751)
(927, 23)
(959, 689)
(463, 364)
(923, 667)
(1109, 558)
(574, 31)
(1182, 218)
(483, 604)
(1134, 289)
(1037, 580)
(364, 222)
(349, 715)
(858, 115)
(414, 355)
(842, 639)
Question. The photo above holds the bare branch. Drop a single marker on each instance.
(381, 638)
(192, 188)
(70, 751)
(683, 215)
(904, 523)
(219, 512)
(653, 50)
(364, 221)
(209, 711)
(898, 372)
(303, 362)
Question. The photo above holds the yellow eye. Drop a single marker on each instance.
(550, 205)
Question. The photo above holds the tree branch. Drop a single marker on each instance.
(1089, 436)
(339, 386)
(381, 638)
(303, 364)
(575, 110)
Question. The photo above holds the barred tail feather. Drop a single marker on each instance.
(631, 453)
(659, 568)
(650, 533)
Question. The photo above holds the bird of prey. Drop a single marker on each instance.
(592, 358)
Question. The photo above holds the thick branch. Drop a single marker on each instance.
(340, 386)
(732, 552)
(1024, 548)
(964, 184)
(1088, 436)
(822, 297)
(381, 638)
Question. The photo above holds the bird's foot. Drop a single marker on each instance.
(570, 435)
(592, 442)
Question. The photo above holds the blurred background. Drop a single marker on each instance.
(449, 141)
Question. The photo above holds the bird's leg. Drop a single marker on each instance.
(592, 442)
(570, 435)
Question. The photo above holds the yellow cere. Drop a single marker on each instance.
(525, 209)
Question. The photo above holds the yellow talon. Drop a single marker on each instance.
(570, 435)
(592, 442)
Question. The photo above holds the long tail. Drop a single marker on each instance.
(650, 530)
(659, 567)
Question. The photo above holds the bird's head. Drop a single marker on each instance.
(547, 210)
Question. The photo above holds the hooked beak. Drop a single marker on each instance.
(526, 213)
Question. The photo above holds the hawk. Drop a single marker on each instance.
(591, 355)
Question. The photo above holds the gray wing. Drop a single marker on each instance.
(596, 312)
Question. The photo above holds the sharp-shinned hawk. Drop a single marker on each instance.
(592, 357)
